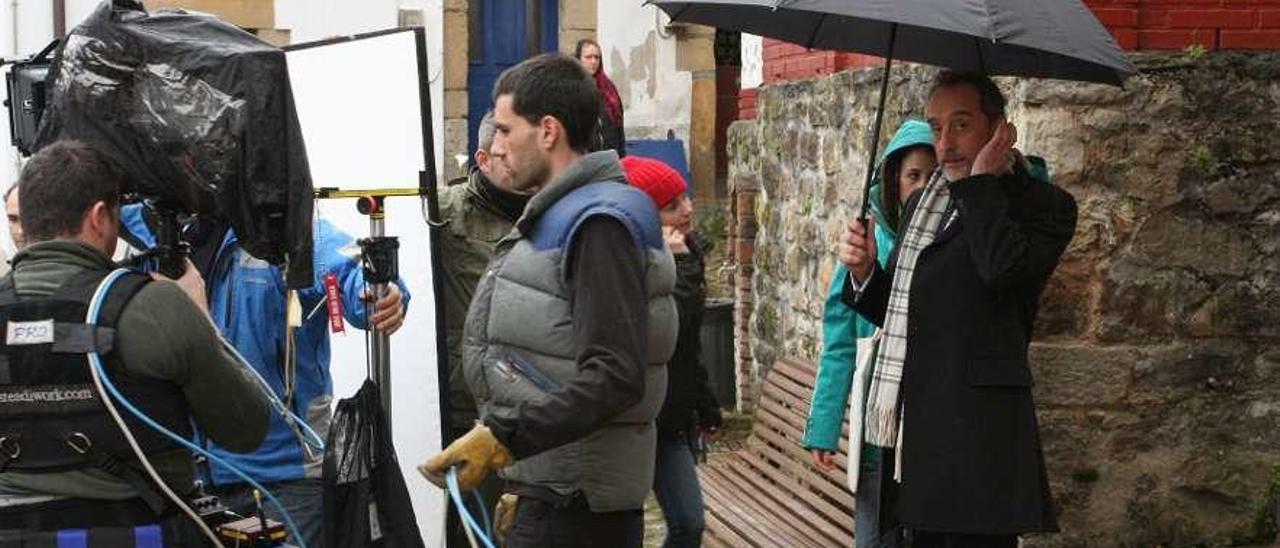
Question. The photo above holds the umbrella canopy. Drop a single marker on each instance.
(1032, 38)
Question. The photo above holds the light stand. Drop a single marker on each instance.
(379, 259)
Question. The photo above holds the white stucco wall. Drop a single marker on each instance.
(640, 56)
(752, 61)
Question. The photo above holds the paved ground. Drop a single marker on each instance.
(655, 530)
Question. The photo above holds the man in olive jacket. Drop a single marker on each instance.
(478, 211)
(164, 345)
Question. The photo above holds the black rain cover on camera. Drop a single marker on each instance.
(199, 114)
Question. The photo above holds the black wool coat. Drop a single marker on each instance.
(971, 456)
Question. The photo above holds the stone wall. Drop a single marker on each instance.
(1157, 356)
(455, 67)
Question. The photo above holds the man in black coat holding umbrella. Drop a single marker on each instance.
(951, 389)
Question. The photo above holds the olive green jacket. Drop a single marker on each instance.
(473, 226)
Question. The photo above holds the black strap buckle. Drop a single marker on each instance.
(83, 445)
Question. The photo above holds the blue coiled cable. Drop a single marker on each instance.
(95, 309)
(455, 493)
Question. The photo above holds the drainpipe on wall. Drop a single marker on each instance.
(59, 18)
(14, 23)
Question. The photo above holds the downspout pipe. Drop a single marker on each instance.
(59, 18)
(13, 11)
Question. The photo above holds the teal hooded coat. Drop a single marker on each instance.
(842, 327)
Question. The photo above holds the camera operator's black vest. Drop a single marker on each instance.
(51, 416)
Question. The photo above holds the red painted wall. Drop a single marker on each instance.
(1136, 24)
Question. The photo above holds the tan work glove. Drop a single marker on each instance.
(504, 516)
(477, 454)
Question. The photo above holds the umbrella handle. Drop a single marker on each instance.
(875, 131)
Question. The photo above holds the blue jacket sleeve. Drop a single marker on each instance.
(835, 370)
(335, 252)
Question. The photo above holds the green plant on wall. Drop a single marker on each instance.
(1195, 51)
(712, 222)
(1201, 160)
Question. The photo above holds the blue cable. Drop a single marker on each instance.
(451, 480)
(316, 442)
(484, 513)
(95, 306)
(275, 399)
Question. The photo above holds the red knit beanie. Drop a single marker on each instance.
(655, 178)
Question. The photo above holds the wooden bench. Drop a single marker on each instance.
(770, 494)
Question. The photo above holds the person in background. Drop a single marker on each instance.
(13, 213)
(609, 131)
(15, 227)
(690, 414)
(906, 164)
(477, 212)
(248, 301)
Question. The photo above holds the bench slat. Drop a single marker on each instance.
(800, 509)
(740, 514)
(795, 526)
(833, 513)
(721, 531)
(798, 366)
(792, 416)
(711, 538)
(780, 417)
(788, 407)
(769, 494)
(797, 371)
(792, 391)
(790, 457)
(765, 412)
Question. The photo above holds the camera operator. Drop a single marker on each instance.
(248, 301)
(65, 466)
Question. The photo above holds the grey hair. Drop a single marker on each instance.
(484, 135)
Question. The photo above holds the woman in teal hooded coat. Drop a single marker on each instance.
(905, 166)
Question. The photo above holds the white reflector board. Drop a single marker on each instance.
(361, 102)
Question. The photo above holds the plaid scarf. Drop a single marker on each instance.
(883, 420)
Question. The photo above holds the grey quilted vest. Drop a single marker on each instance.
(519, 342)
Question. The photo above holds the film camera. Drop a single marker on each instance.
(199, 131)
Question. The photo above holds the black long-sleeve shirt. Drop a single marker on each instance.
(610, 324)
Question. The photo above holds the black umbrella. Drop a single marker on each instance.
(1032, 38)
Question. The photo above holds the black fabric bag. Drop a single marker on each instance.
(366, 503)
(198, 113)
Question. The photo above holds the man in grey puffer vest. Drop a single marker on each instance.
(568, 334)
